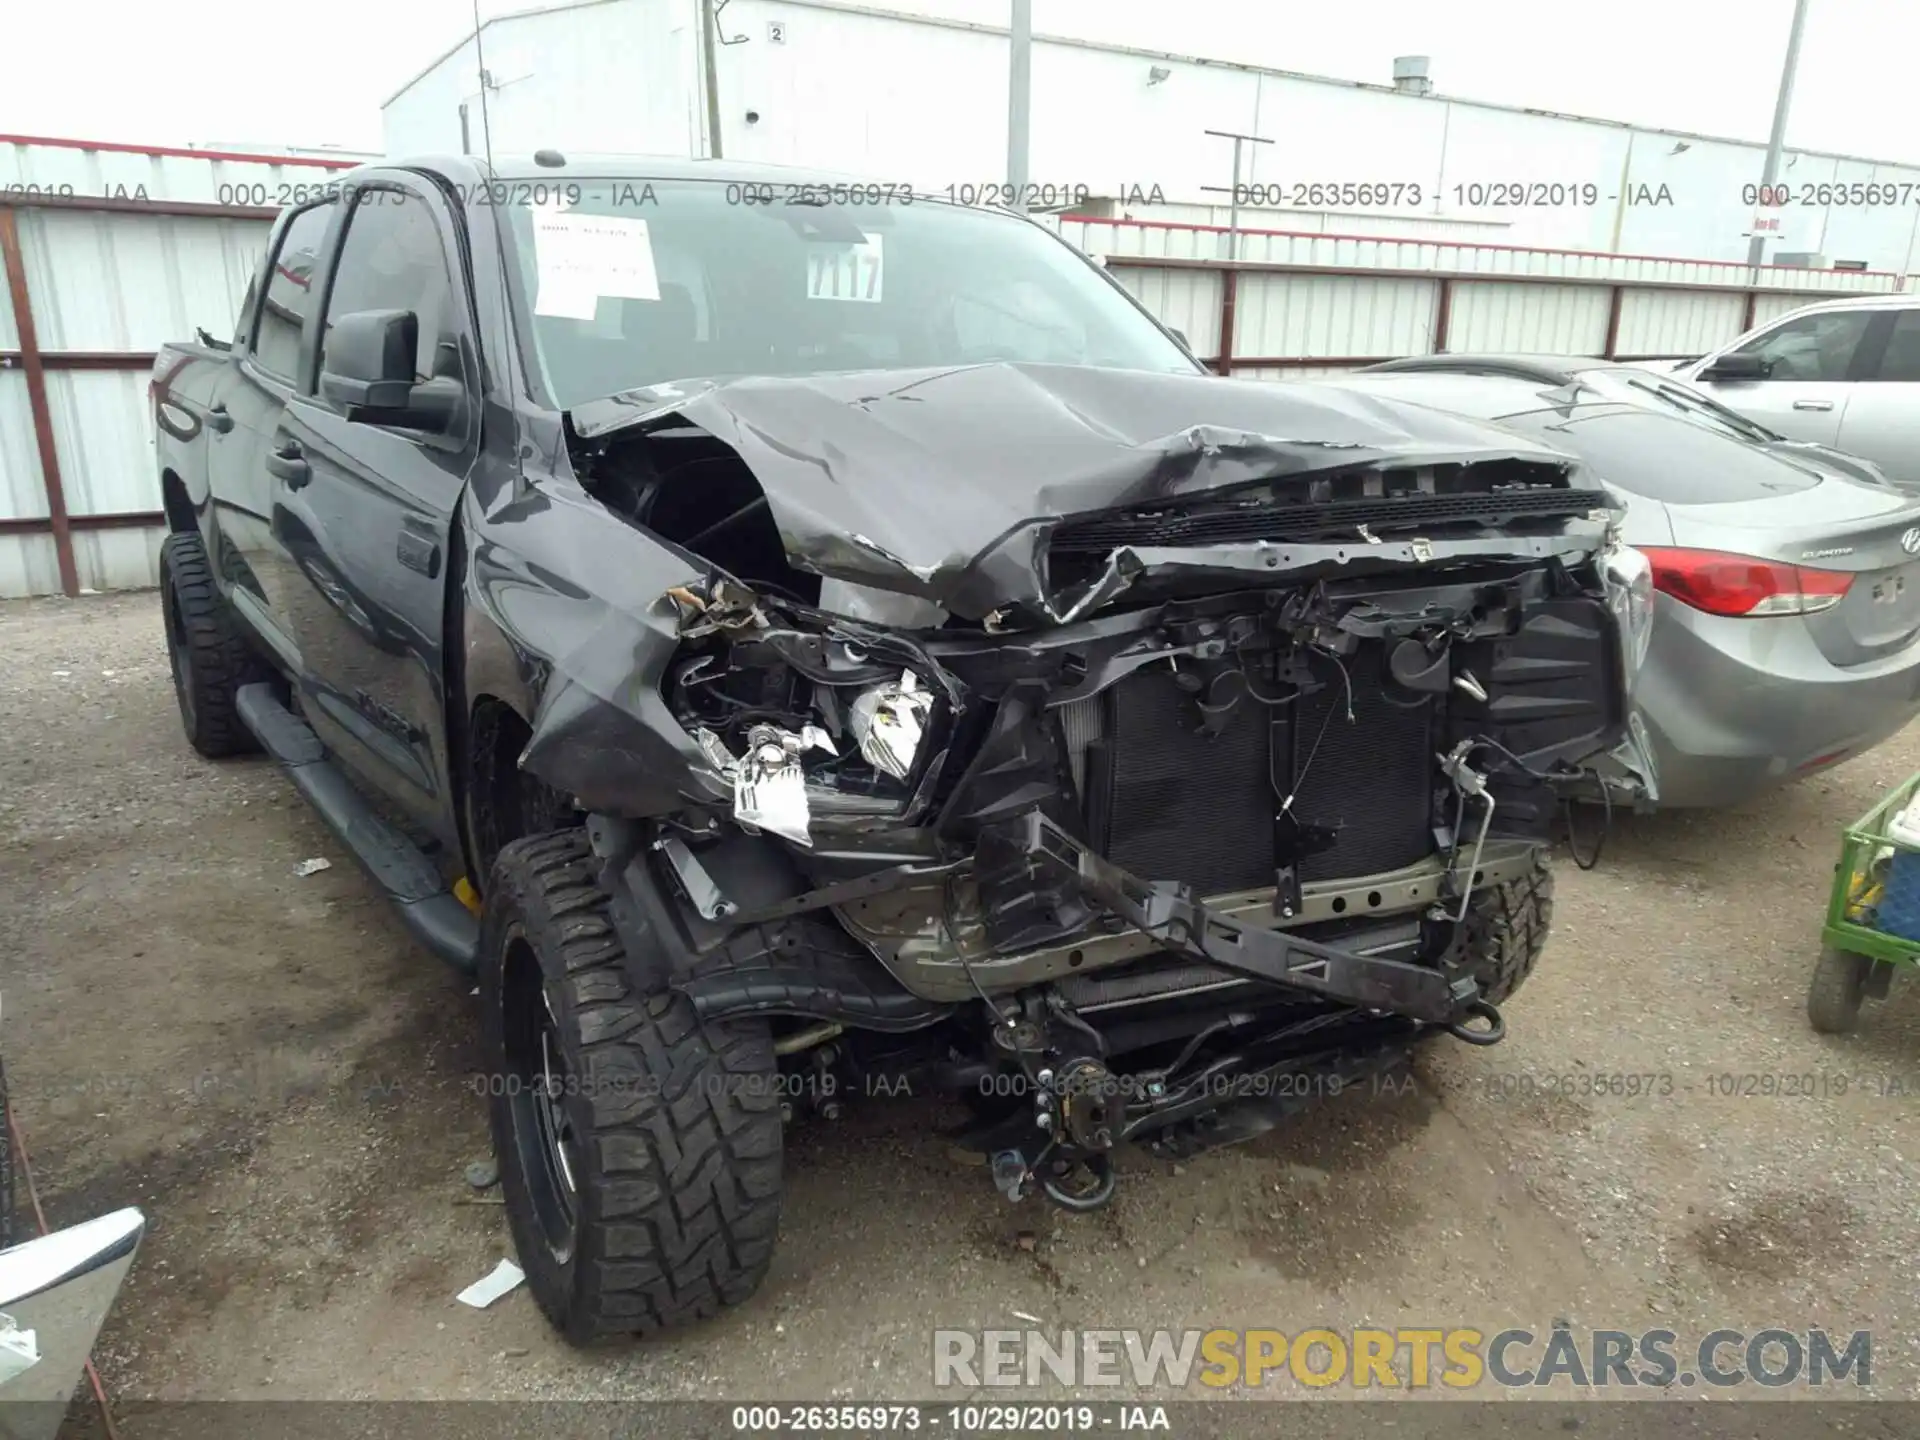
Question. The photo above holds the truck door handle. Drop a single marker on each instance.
(218, 420)
(1813, 404)
(288, 462)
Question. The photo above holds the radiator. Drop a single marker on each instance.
(1168, 802)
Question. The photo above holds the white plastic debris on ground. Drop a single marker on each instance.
(503, 1279)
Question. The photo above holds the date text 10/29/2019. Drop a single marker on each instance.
(975, 1419)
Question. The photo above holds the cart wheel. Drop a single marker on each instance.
(1839, 983)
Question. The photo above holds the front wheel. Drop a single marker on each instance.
(639, 1149)
(1839, 985)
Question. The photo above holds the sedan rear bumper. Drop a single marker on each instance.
(1735, 707)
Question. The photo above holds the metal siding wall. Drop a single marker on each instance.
(22, 496)
(118, 559)
(1106, 237)
(1662, 322)
(117, 281)
(28, 566)
(1291, 372)
(1186, 300)
(1772, 307)
(104, 436)
(131, 175)
(1331, 315)
(1542, 319)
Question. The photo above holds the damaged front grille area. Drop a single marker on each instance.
(1189, 786)
(1339, 519)
(1347, 504)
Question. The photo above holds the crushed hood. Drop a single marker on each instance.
(942, 483)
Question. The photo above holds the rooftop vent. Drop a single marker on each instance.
(1410, 75)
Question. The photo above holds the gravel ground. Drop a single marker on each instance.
(265, 1064)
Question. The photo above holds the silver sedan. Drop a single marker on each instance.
(1786, 632)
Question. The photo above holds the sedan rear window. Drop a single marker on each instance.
(1664, 457)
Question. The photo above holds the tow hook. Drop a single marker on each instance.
(1492, 1033)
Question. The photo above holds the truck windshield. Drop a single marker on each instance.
(636, 282)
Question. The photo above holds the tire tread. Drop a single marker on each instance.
(680, 1195)
(221, 659)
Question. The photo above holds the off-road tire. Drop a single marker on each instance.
(211, 659)
(677, 1157)
(1506, 929)
(1839, 985)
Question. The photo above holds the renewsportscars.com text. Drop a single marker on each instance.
(1404, 1359)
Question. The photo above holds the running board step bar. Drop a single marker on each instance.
(427, 907)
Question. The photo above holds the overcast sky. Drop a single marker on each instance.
(198, 71)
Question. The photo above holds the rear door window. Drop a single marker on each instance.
(1900, 361)
(1664, 457)
(283, 310)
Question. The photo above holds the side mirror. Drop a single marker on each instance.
(368, 372)
(1738, 367)
(1181, 336)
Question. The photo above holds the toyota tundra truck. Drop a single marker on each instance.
(790, 638)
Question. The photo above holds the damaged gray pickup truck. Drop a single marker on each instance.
(846, 643)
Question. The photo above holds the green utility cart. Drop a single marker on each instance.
(1873, 912)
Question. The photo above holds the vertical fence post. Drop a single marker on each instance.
(16, 268)
(1443, 315)
(1229, 298)
(1615, 299)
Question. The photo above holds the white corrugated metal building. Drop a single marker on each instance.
(922, 98)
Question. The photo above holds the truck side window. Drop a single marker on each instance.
(392, 259)
(276, 333)
(1901, 363)
(1819, 346)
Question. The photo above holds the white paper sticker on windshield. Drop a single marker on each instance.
(581, 258)
(839, 271)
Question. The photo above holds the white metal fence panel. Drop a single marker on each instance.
(1772, 307)
(118, 559)
(121, 281)
(1335, 315)
(1670, 322)
(1291, 372)
(1181, 242)
(103, 432)
(122, 249)
(22, 495)
(28, 566)
(1529, 317)
(126, 173)
(1186, 299)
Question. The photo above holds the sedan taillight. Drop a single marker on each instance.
(1743, 585)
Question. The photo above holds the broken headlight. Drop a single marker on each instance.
(889, 722)
(799, 752)
(769, 785)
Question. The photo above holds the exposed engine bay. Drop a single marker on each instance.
(1137, 822)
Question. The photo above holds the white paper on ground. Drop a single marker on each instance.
(578, 259)
(838, 271)
(488, 1288)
